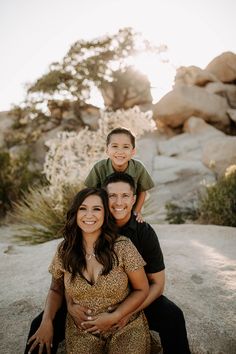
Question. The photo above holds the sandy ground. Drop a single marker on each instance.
(201, 279)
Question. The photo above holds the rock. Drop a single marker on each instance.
(130, 88)
(200, 266)
(232, 114)
(169, 169)
(90, 116)
(225, 90)
(219, 154)
(183, 102)
(197, 131)
(177, 180)
(39, 149)
(193, 75)
(200, 271)
(223, 67)
(197, 126)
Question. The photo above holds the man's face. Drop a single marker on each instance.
(121, 201)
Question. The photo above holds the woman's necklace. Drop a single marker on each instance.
(90, 255)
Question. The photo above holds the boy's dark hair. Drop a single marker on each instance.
(121, 131)
(119, 177)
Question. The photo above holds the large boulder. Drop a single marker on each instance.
(196, 133)
(129, 89)
(183, 102)
(193, 75)
(219, 153)
(223, 67)
(225, 90)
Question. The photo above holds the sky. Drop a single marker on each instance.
(35, 33)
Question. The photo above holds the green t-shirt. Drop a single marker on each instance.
(135, 169)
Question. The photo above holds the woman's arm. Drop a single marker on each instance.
(44, 334)
(140, 289)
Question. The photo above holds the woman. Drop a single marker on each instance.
(96, 268)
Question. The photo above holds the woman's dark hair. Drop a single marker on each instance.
(72, 249)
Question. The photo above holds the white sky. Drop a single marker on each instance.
(34, 33)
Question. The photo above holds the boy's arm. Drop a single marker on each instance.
(138, 205)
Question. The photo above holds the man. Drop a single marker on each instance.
(163, 315)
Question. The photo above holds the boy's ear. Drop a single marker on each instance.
(133, 151)
(135, 197)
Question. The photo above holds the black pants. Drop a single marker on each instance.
(163, 317)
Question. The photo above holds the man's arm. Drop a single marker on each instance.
(156, 288)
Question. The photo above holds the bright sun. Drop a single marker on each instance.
(159, 72)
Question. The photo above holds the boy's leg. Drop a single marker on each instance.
(167, 319)
(58, 326)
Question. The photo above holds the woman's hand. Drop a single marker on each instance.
(101, 323)
(42, 337)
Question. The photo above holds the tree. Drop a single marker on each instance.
(87, 64)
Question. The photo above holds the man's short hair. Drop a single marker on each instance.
(119, 177)
(121, 131)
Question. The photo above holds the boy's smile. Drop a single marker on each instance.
(120, 151)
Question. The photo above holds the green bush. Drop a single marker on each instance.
(176, 214)
(37, 218)
(218, 206)
(15, 178)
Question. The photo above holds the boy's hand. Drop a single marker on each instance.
(139, 217)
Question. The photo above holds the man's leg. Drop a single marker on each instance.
(58, 326)
(167, 319)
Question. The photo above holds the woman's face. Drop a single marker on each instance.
(90, 215)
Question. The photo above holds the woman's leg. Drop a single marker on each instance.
(79, 342)
(133, 338)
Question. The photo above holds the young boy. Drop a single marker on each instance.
(120, 149)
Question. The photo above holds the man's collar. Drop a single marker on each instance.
(131, 224)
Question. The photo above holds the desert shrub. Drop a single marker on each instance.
(218, 205)
(176, 214)
(15, 178)
(38, 217)
(40, 214)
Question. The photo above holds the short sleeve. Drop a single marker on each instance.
(130, 257)
(92, 179)
(145, 181)
(56, 268)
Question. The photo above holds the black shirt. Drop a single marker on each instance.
(145, 240)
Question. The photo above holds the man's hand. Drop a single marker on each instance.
(123, 322)
(79, 313)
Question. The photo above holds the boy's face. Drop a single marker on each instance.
(120, 151)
